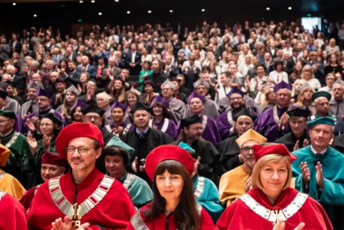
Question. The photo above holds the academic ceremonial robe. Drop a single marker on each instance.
(253, 210)
(19, 147)
(177, 109)
(138, 189)
(332, 163)
(208, 166)
(11, 185)
(211, 109)
(207, 195)
(339, 124)
(224, 104)
(337, 107)
(29, 106)
(111, 211)
(138, 222)
(152, 139)
(28, 197)
(166, 126)
(12, 105)
(126, 128)
(268, 127)
(289, 140)
(232, 184)
(229, 154)
(12, 213)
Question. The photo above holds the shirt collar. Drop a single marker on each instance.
(144, 132)
(321, 152)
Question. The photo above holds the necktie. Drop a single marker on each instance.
(141, 135)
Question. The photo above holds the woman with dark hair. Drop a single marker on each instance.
(118, 127)
(117, 89)
(161, 115)
(148, 96)
(49, 127)
(174, 205)
(76, 114)
(116, 156)
(271, 203)
(144, 72)
(278, 75)
(333, 65)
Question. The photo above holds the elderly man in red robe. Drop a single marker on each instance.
(83, 198)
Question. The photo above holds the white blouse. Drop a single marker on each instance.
(278, 77)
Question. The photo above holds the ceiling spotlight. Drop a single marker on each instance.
(35, 15)
(171, 11)
(14, 4)
(93, 1)
(267, 8)
(203, 10)
(289, 8)
(81, 1)
(149, 11)
(100, 13)
(116, 0)
(128, 12)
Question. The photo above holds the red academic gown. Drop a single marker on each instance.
(238, 216)
(28, 197)
(12, 213)
(165, 222)
(112, 212)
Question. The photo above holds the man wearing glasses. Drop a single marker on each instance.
(83, 198)
(273, 122)
(237, 182)
(93, 114)
(16, 142)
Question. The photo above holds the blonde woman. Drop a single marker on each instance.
(69, 102)
(296, 88)
(307, 74)
(245, 52)
(103, 102)
(304, 99)
(267, 100)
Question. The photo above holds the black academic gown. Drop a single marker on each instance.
(338, 143)
(289, 140)
(229, 154)
(208, 166)
(152, 139)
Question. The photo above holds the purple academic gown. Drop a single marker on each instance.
(210, 132)
(124, 125)
(224, 126)
(18, 125)
(267, 126)
(171, 128)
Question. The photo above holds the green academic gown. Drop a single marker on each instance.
(207, 196)
(19, 147)
(138, 189)
(33, 166)
(332, 163)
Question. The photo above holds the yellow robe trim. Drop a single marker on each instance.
(12, 186)
(232, 184)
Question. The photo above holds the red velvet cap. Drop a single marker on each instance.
(53, 159)
(168, 152)
(76, 130)
(260, 151)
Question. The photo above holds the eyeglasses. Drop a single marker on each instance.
(4, 121)
(247, 149)
(82, 150)
(92, 117)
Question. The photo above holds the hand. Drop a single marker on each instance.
(83, 69)
(197, 162)
(306, 174)
(283, 120)
(58, 96)
(319, 176)
(155, 127)
(296, 146)
(248, 185)
(32, 142)
(143, 167)
(134, 165)
(66, 225)
(305, 143)
(46, 143)
(30, 125)
(79, 88)
(281, 226)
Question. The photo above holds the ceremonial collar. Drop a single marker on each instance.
(7, 134)
(278, 205)
(122, 179)
(321, 152)
(86, 183)
(246, 169)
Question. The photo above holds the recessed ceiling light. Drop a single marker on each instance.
(289, 8)
(149, 11)
(14, 4)
(93, 1)
(128, 12)
(203, 10)
(116, 0)
(100, 13)
(171, 11)
(267, 8)
(35, 15)
(81, 1)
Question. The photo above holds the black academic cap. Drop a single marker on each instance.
(3, 94)
(321, 94)
(186, 122)
(141, 106)
(12, 84)
(9, 114)
(93, 109)
(53, 118)
(244, 112)
(298, 112)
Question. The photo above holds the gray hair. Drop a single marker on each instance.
(35, 63)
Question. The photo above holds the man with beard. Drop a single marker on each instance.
(273, 122)
(237, 181)
(143, 139)
(337, 102)
(52, 166)
(83, 198)
(229, 150)
(322, 109)
(73, 77)
(209, 129)
(298, 137)
(225, 120)
(17, 143)
(191, 131)
(210, 107)
(30, 105)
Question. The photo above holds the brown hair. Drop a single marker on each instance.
(186, 215)
(300, 96)
(270, 158)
